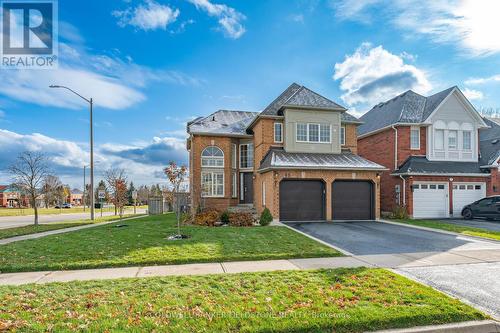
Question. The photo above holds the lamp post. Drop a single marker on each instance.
(91, 147)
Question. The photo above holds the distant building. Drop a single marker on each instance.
(76, 197)
(11, 197)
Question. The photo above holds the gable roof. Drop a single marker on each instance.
(407, 108)
(222, 122)
(489, 143)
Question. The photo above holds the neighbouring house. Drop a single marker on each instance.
(297, 157)
(431, 146)
(11, 197)
(76, 197)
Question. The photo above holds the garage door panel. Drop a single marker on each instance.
(430, 200)
(466, 193)
(302, 200)
(352, 200)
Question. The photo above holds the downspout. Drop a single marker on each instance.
(395, 147)
(404, 189)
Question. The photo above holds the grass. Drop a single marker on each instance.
(54, 211)
(143, 242)
(464, 230)
(32, 229)
(341, 300)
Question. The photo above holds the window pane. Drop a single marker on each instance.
(432, 187)
(233, 156)
(234, 187)
(439, 139)
(301, 132)
(478, 187)
(246, 156)
(313, 132)
(452, 139)
(467, 140)
(415, 138)
(278, 132)
(342, 135)
(441, 187)
(324, 135)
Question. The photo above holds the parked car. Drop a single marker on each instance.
(488, 208)
(66, 205)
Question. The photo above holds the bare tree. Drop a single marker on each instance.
(29, 173)
(176, 175)
(50, 189)
(117, 184)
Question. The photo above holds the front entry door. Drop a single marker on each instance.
(246, 195)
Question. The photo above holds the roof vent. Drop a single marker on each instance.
(213, 118)
(494, 141)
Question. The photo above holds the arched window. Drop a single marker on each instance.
(212, 157)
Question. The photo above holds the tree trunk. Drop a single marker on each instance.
(36, 210)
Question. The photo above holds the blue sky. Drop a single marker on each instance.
(153, 65)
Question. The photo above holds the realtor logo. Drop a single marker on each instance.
(29, 34)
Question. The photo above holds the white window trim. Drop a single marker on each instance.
(281, 132)
(215, 158)
(234, 185)
(247, 167)
(234, 157)
(264, 194)
(470, 141)
(342, 135)
(223, 184)
(416, 129)
(307, 133)
(456, 140)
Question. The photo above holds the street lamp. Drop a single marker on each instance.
(91, 147)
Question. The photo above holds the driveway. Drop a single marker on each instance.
(476, 223)
(19, 221)
(467, 268)
(375, 238)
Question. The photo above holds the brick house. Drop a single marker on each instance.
(433, 150)
(11, 198)
(297, 157)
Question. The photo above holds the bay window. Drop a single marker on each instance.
(439, 139)
(452, 139)
(466, 138)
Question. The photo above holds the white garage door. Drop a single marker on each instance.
(466, 193)
(430, 200)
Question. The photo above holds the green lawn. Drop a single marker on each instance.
(53, 211)
(143, 242)
(464, 230)
(31, 229)
(341, 300)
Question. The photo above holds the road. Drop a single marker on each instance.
(19, 221)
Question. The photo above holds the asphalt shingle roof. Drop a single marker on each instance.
(489, 144)
(421, 165)
(278, 158)
(223, 122)
(408, 107)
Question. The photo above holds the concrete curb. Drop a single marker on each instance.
(6, 241)
(440, 231)
(483, 326)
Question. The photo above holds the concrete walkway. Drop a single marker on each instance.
(60, 231)
(386, 261)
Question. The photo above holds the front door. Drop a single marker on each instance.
(246, 189)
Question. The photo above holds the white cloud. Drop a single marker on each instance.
(148, 16)
(472, 94)
(483, 80)
(142, 161)
(371, 74)
(229, 19)
(471, 24)
(113, 81)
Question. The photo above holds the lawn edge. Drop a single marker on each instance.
(476, 326)
(438, 230)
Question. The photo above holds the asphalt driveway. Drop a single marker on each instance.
(476, 223)
(369, 237)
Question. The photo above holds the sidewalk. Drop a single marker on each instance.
(60, 231)
(402, 260)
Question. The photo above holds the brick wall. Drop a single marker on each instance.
(272, 180)
(351, 140)
(264, 138)
(199, 143)
(379, 148)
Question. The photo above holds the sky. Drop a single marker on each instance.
(152, 65)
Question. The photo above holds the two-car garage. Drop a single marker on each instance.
(305, 200)
(432, 199)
